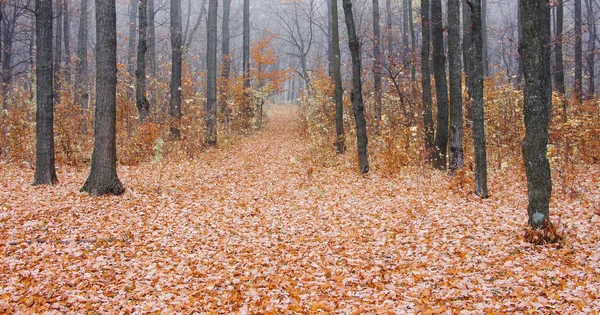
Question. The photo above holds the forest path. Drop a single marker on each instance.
(246, 229)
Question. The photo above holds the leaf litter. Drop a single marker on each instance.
(258, 227)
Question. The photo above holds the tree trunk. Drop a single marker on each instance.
(405, 43)
(141, 101)
(246, 45)
(337, 76)
(330, 42)
(388, 25)
(476, 86)
(151, 53)
(176, 56)
(456, 157)
(377, 66)
(133, 8)
(67, 33)
(520, 64)
(225, 50)
(356, 96)
(45, 172)
(103, 177)
(466, 50)
(591, 49)
(413, 42)
(7, 44)
(189, 39)
(211, 77)
(535, 55)
(578, 54)
(58, 52)
(426, 79)
(560, 73)
(81, 68)
(485, 37)
(441, 87)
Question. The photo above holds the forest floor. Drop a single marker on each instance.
(255, 227)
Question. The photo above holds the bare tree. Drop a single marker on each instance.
(426, 78)
(45, 171)
(176, 59)
(337, 76)
(377, 66)
(356, 96)
(133, 8)
(81, 69)
(476, 91)
(141, 101)
(591, 48)
(103, 177)
(211, 80)
(441, 87)
(577, 90)
(535, 55)
(246, 45)
(456, 156)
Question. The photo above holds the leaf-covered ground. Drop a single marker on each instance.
(255, 228)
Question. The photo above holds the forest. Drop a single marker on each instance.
(299, 157)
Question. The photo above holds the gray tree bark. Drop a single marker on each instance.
(356, 96)
(133, 8)
(426, 79)
(485, 37)
(211, 77)
(577, 90)
(558, 50)
(67, 34)
(535, 54)
(58, 52)
(151, 53)
(377, 66)
(246, 45)
(45, 171)
(225, 51)
(591, 48)
(103, 177)
(337, 76)
(456, 156)
(476, 90)
(441, 87)
(141, 101)
(81, 69)
(466, 50)
(176, 59)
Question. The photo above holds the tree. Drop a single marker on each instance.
(45, 171)
(535, 55)
(141, 101)
(133, 8)
(67, 34)
(103, 177)
(456, 157)
(176, 59)
(151, 53)
(246, 44)
(559, 73)
(441, 87)
(426, 78)
(226, 55)
(356, 96)
(58, 51)
(485, 37)
(377, 66)
(577, 91)
(81, 68)
(211, 79)
(340, 142)
(476, 91)
(591, 48)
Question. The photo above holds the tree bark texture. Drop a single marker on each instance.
(176, 59)
(337, 76)
(357, 99)
(141, 101)
(103, 177)
(211, 78)
(246, 44)
(456, 156)
(535, 54)
(151, 53)
(591, 48)
(377, 66)
(577, 90)
(426, 79)
(45, 171)
(558, 50)
(476, 86)
(441, 87)
(133, 8)
(67, 33)
(81, 69)
(57, 52)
